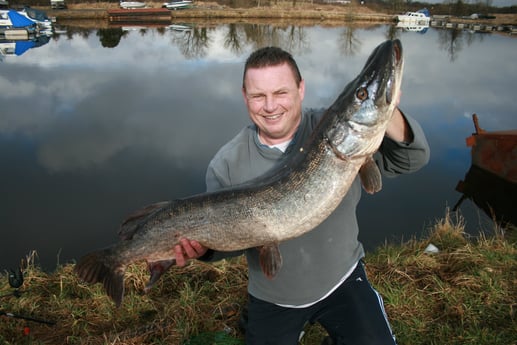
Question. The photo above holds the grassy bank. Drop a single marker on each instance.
(464, 294)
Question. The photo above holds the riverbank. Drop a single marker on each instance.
(462, 291)
(281, 13)
(211, 10)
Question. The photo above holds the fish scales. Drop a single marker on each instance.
(276, 207)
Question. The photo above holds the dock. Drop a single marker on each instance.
(139, 15)
(470, 25)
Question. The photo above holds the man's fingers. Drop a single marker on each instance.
(198, 247)
(189, 251)
(180, 257)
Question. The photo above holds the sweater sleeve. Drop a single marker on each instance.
(395, 158)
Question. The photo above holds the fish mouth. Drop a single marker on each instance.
(393, 83)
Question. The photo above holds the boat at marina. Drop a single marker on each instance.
(132, 4)
(24, 23)
(37, 16)
(13, 19)
(421, 17)
(177, 5)
(14, 26)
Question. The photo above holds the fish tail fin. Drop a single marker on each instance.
(97, 268)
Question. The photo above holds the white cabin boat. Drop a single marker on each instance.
(37, 16)
(127, 5)
(414, 18)
(5, 21)
(11, 19)
(177, 5)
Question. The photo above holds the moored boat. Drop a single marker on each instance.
(14, 19)
(494, 151)
(177, 5)
(421, 17)
(131, 4)
(14, 26)
(37, 16)
(491, 181)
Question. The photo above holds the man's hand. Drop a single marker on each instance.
(398, 129)
(188, 249)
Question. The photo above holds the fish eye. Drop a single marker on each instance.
(361, 94)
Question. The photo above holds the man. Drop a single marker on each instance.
(322, 278)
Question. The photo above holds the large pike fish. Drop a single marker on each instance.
(277, 207)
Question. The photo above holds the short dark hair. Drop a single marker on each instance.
(271, 56)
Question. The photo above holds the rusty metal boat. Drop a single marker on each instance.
(491, 182)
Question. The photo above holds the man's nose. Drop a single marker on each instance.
(270, 103)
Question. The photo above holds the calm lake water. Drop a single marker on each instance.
(97, 123)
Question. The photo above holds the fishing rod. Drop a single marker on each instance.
(28, 318)
(15, 278)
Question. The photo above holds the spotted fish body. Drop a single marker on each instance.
(276, 207)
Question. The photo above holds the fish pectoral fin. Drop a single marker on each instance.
(157, 269)
(370, 176)
(270, 259)
(132, 223)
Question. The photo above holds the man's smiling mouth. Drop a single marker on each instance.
(272, 117)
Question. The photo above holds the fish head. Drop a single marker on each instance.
(362, 112)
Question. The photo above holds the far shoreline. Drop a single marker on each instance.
(283, 12)
(204, 11)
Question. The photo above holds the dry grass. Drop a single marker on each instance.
(465, 294)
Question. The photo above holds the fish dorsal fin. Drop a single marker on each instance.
(132, 223)
(270, 259)
(370, 176)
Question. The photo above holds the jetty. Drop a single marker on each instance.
(447, 22)
(139, 15)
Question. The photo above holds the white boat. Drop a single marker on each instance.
(57, 4)
(13, 19)
(177, 5)
(420, 17)
(37, 16)
(180, 27)
(131, 4)
(5, 21)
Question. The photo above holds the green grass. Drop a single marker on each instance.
(465, 294)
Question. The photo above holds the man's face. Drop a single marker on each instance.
(274, 102)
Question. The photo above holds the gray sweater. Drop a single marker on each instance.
(315, 262)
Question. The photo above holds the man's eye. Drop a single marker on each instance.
(257, 98)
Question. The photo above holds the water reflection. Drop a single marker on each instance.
(20, 47)
(194, 39)
(97, 123)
